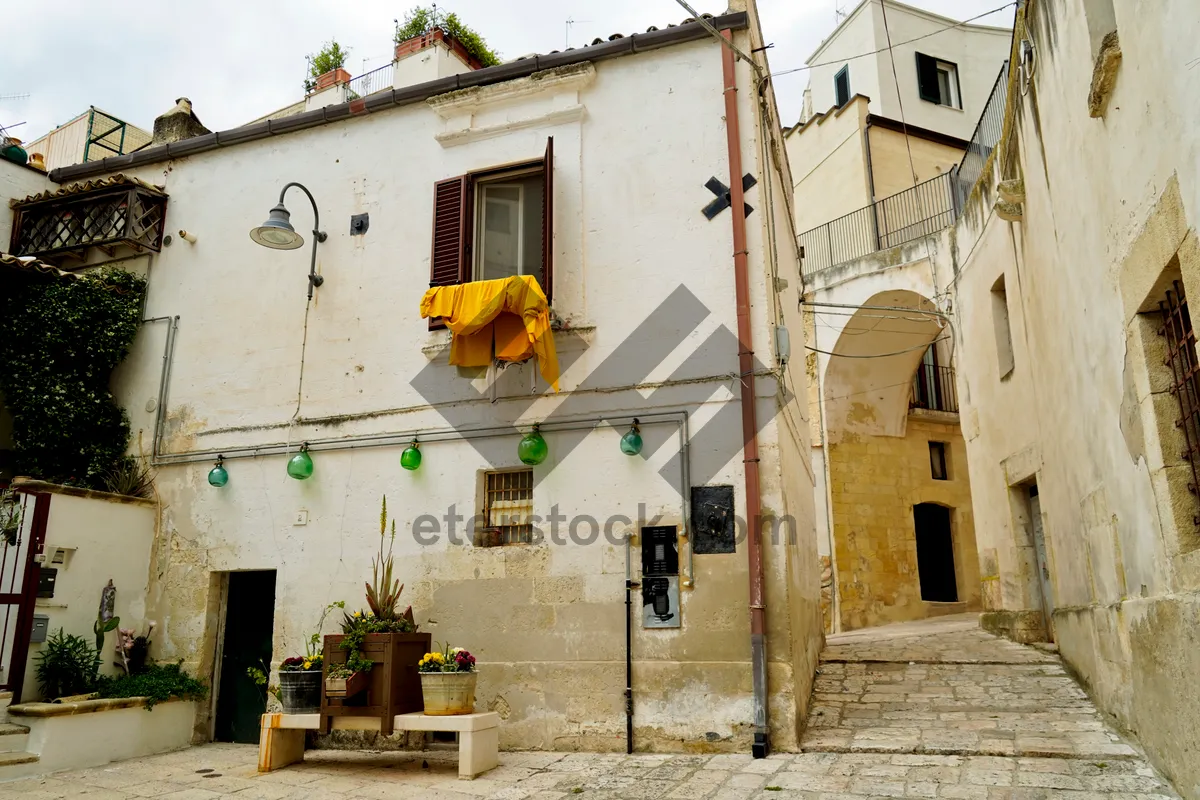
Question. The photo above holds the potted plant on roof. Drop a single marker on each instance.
(371, 667)
(448, 682)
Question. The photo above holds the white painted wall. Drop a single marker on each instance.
(112, 539)
(627, 232)
(978, 51)
(92, 739)
(433, 62)
(16, 183)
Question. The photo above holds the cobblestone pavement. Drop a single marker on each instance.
(1007, 725)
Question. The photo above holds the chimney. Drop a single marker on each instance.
(430, 56)
(178, 124)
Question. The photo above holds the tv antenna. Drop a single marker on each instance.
(14, 96)
(569, 23)
(839, 14)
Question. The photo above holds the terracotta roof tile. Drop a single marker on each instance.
(87, 186)
(615, 36)
(32, 265)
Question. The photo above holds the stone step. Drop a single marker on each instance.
(13, 738)
(13, 760)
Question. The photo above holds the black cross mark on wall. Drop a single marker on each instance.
(722, 192)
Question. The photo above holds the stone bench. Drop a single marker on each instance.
(282, 739)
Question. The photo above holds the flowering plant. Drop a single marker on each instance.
(134, 648)
(314, 652)
(450, 659)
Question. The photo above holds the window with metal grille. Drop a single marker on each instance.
(508, 508)
(1185, 382)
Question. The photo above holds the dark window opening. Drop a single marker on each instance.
(935, 553)
(937, 461)
(933, 385)
(841, 86)
(495, 223)
(937, 81)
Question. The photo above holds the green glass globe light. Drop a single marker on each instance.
(631, 443)
(300, 466)
(410, 459)
(217, 476)
(533, 448)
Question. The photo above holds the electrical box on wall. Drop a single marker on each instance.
(41, 627)
(660, 577)
(47, 576)
(713, 520)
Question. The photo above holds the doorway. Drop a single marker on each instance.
(1043, 564)
(935, 553)
(246, 644)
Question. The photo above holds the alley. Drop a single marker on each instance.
(929, 709)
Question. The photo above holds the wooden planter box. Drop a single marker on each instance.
(393, 686)
(347, 687)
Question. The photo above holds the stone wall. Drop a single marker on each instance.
(876, 481)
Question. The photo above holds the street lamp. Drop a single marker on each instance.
(277, 233)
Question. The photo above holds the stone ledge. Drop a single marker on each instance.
(78, 707)
(33, 485)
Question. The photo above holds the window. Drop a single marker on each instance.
(1004, 345)
(495, 223)
(1185, 372)
(937, 81)
(841, 86)
(508, 508)
(937, 461)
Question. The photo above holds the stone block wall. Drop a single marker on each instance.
(875, 482)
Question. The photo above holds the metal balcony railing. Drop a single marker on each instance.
(933, 389)
(921, 210)
(371, 82)
(988, 132)
(925, 208)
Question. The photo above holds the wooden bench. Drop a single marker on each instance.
(282, 739)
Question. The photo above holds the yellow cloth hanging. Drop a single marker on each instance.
(509, 318)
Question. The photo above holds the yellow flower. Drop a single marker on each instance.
(307, 664)
(358, 613)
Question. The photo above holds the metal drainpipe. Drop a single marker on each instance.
(758, 615)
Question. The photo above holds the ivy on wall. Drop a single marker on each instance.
(59, 343)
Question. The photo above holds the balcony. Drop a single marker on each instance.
(933, 389)
(106, 214)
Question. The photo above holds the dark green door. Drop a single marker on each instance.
(249, 619)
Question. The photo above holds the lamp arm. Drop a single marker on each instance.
(316, 213)
(313, 278)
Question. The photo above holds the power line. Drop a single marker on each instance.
(897, 44)
(925, 346)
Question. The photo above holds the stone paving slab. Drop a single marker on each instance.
(229, 771)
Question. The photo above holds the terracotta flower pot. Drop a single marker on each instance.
(447, 694)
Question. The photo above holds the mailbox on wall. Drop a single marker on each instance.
(660, 577)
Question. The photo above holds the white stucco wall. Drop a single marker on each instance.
(546, 621)
(17, 182)
(977, 50)
(111, 540)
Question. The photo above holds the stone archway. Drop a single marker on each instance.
(881, 459)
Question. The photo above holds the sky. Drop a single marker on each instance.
(239, 59)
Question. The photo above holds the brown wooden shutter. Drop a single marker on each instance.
(548, 221)
(449, 262)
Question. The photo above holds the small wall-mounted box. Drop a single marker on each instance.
(41, 626)
(53, 555)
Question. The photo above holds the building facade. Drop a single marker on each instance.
(1063, 287)
(880, 168)
(640, 247)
